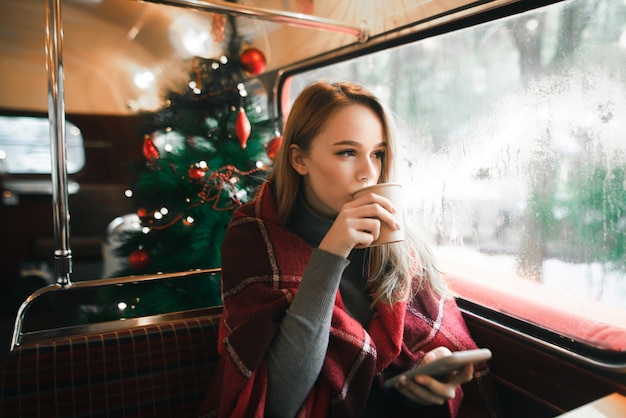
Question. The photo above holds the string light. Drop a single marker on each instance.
(242, 90)
(222, 180)
(144, 79)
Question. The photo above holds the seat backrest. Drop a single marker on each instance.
(121, 347)
(160, 369)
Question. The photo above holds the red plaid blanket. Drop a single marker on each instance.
(256, 293)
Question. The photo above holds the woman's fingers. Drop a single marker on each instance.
(426, 389)
(375, 206)
(462, 375)
(358, 224)
(436, 354)
(424, 393)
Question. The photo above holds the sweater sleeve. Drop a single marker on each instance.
(303, 335)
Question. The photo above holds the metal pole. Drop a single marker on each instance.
(287, 18)
(58, 151)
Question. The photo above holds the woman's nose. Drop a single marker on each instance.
(368, 171)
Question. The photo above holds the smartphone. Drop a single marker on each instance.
(444, 366)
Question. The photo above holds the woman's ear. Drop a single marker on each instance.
(296, 157)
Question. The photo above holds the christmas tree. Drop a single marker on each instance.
(206, 152)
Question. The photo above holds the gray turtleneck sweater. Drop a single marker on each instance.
(296, 355)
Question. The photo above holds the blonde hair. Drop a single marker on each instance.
(391, 267)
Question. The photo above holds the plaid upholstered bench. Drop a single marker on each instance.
(143, 371)
(151, 366)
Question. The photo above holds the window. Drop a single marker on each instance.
(25, 146)
(513, 154)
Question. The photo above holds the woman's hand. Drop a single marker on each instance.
(358, 224)
(427, 390)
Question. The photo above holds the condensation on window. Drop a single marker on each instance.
(513, 151)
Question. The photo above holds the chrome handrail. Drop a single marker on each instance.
(58, 147)
(276, 16)
(83, 330)
(16, 339)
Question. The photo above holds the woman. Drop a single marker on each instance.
(314, 319)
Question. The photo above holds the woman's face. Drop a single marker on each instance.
(346, 156)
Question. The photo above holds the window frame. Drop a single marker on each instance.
(594, 357)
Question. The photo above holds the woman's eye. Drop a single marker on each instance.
(347, 152)
(379, 154)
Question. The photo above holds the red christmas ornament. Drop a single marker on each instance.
(150, 151)
(253, 61)
(145, 216)
(273, 146)
(142, 213)
(139, 260)
(196, 173)
(242, 128)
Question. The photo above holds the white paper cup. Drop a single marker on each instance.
(393, 192)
